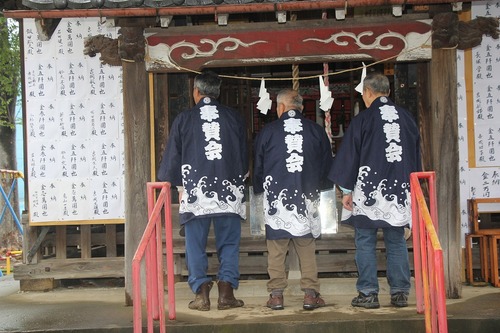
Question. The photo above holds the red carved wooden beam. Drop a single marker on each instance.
(178, 49)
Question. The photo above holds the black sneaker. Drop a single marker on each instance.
(366, 301)
(399, 299)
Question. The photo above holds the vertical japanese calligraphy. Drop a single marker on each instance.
(211, 128)
(74, 126)
(389, 114)
(293, 141)
(486, 69)
(479, 125)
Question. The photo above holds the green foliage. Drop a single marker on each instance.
(10, 74)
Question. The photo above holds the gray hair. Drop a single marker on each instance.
(290, 98)
(208, 84)
(378, 83)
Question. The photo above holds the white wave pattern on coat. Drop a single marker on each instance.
(201, 201)
(286, 216)
(385, 207)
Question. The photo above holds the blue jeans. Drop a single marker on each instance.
(398, 266)
(227, 231)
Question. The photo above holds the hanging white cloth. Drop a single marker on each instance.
(265, 102)
(359, 87)
(326, 99)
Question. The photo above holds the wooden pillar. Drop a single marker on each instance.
(162, 120)
(137, 152)
(424, 115)
(443, 121)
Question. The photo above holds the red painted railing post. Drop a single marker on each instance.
(169, 244)
(428, 255)
(417, 262)
(150, 246)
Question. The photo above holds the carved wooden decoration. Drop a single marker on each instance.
(449, 32)
(129, 46)
(175, 49)
(471, 33)
(107, 47)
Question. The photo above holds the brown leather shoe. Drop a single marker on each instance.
(312, 302)
(226, 297)
(275, 302)
(202, 300)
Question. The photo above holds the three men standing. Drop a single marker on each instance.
(206, 158)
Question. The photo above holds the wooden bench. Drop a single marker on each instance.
(494, 259)
(487, 241)
(70, 252)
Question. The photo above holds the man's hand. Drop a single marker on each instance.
(180, 190)
(347, 201)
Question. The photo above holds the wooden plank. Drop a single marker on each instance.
(161, 117)
(61, 242)
(78, 222)
(424, 115)
(110, 240)
(97, 238)
(327, 263)
(444, 151)
(34, 250)
(137, 154)
(249, 265)
(72, 269)
(469, 93)
(345, 262)
(257, 245)
(37, 284)
(85, 239)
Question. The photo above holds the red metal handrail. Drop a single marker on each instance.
(428, 256)
(151, 247)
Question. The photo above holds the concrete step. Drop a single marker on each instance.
(72, 310)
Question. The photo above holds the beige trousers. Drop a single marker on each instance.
(277, 249)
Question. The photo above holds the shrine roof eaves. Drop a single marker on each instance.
(87, 4)
(73, 8)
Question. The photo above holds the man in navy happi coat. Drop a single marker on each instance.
(292, 159)
(206, 158)
(379, 151)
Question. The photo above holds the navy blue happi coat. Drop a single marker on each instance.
(292, 159)
(378, 152)
(206, 153)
